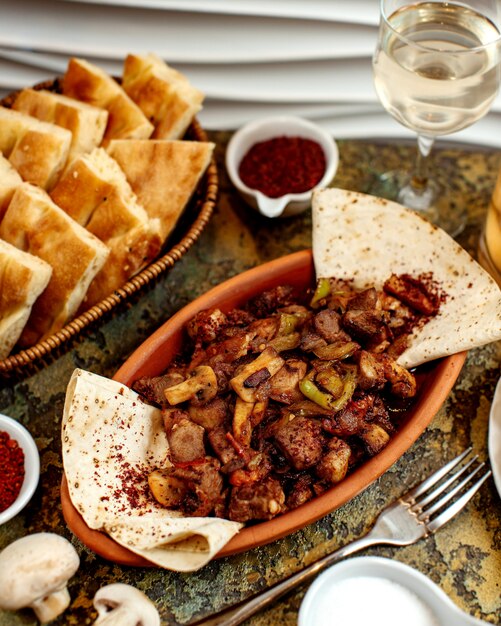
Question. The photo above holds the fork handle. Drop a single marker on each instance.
(236, 615)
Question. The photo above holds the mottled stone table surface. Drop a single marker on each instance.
(464, 558)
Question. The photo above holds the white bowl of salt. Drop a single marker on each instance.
(379, 592)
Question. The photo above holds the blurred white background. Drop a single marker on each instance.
(250, 57)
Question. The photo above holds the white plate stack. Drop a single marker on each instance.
(252, 58)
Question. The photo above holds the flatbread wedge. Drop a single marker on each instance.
(88, 83)
(86, 123)
(165, 95)
(111, 440)
(37, 150)
(95, 192)
(365, 239)
(163, 174)
(23, 277)
(74, 254)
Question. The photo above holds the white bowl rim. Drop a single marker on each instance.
(20, 433)
(312, 131)
(387, 569)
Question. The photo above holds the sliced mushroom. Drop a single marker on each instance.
(166, 489)
(268, 362)
(34, 572)
(242, 426)
(123, 605)
(200, 385)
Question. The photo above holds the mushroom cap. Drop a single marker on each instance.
(33, 567)
(122, 596)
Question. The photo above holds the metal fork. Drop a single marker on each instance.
(418, 513)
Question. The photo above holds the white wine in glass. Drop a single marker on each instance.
(436, 71)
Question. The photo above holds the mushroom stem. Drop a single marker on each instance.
(119, 616)
(52, 605)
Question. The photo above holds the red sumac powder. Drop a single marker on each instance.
(283, 165)
(11, 470)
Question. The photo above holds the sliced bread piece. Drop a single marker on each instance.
(23, 277)
(12, 126)
(163, 174)
(93, 182)
(88, 83)
(164, 95)
(34, 224)
(9, 180)
(129, 253)
(95, 192)
(38, 150)
(86, 123)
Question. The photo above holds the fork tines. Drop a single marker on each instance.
(458, 481)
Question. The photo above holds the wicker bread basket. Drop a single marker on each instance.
(192, 223)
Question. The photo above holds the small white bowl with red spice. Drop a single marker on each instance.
(275, 163)
(19, 467)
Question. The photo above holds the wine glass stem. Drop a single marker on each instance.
(422, 193)
(419, 179)
(419, 193)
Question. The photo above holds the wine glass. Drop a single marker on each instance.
(436, 71)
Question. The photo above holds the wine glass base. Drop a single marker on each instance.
(430, 202)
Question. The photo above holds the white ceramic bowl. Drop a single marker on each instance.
(31, 465)
(268, 128)
(321, 595)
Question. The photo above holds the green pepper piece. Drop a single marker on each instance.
(313, 393)
(331, 381)
(350, 384)
(285, 342)
(322, 290)
(327, 400)
(336, 351)
(287, 325)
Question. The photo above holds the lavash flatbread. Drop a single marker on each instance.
(365, 239)
(111, 440)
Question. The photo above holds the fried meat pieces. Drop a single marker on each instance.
(273, 403)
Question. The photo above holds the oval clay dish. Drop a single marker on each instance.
(435, 379)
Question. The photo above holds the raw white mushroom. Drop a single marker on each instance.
(34, 572)
(123, 605)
